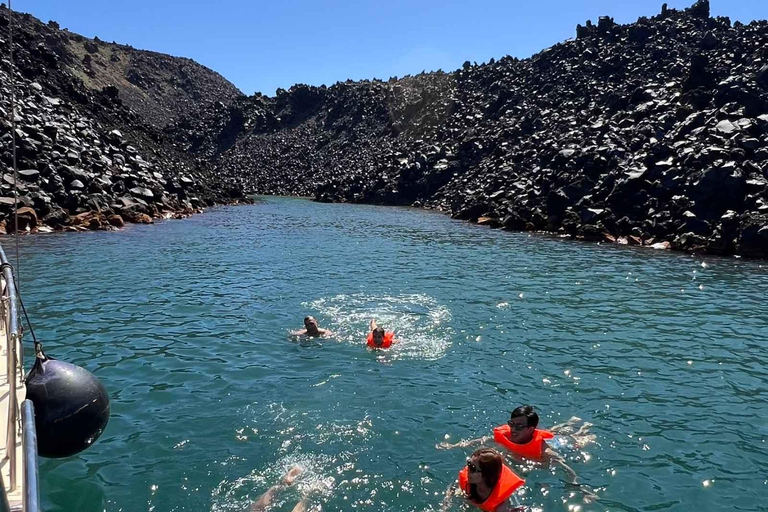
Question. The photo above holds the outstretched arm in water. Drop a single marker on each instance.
(570, 475)
(264, 501)
(449, 494)
(579, 436)
(565, 428)
(301, 506)
(463, 444)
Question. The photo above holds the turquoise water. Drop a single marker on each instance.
(188, 325)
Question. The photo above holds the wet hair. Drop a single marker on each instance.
(489, 463)
(378, 331)
(307, 319)
(530, 415)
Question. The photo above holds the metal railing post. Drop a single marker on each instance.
(10, 321)
(29, 444)
(10, 443)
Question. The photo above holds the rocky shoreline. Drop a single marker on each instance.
(86, 160)
(652, 134)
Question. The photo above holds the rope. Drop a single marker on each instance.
(13, 130)
(38, 345)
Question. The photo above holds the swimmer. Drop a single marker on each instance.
(486, 482)
(379, 338)
(521, 437)
(266, 499)
(311, 329)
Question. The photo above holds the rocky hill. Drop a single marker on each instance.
(157, 87)
(90, 147)
(653, 133)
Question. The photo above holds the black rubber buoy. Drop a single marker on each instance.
(71, 407)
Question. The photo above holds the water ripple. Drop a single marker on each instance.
(187, 325)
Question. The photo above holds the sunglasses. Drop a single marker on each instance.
(471, 467)
(517, 427)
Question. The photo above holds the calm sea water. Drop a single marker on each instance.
(187, 323)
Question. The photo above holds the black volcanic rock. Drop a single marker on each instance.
(661, 126)
(652, 133)
(77, 141)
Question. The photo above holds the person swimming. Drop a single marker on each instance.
(522, 437)
(486, 482)
(379, 338)
(265, 500)
(311, 328)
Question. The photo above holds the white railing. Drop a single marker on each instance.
(9, 317)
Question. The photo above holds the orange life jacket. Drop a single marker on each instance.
(533, 449)
(389, 337)
(508, 483)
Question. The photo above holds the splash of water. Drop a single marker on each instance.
(420, 323)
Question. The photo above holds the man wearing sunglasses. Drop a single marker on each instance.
(520, 435)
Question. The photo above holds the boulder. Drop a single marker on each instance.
(89, 220)
(726, 128)
(116, 221)
(27, 220)
(29, 175)
(136, 217)
(700, 9)
(762, 76)
(753, 239)
(56, 217)
(142, 192)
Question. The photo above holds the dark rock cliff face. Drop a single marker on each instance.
(654, 133)
(87, 158)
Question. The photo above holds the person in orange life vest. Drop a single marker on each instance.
(311, 328)
(378, 338)
(486, 482)
(522, 437)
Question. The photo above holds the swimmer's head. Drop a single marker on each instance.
(522, 423)
(378, 336)
(483, 466)
(310, 324)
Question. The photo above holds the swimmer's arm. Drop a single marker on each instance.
(449, 494)
(570, 475)
(463, 444)
(373, 324)
(302, 332)
(565, 428)
(266, 498)
(558, 460)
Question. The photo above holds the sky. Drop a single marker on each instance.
(262, 45)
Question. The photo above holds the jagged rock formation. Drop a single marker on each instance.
(654, 133)
(87, 160)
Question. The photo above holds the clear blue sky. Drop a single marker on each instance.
(260, 46)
